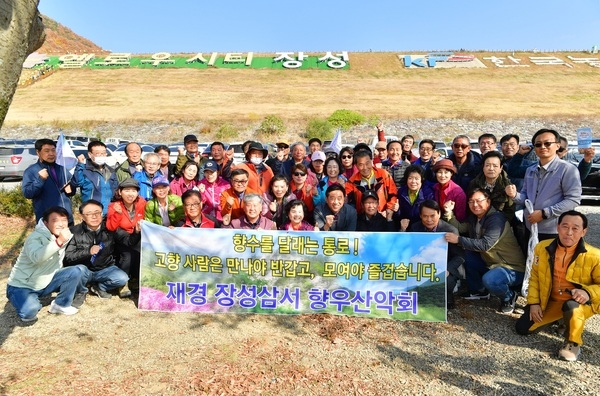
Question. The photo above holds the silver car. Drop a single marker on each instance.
(15, 159)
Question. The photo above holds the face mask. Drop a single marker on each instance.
(100, 160)
(256, 160)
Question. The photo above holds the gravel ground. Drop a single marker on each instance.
(110, 347)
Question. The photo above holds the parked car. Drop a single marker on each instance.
(590, 186)
(15, 159)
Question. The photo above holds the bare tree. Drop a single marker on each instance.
(21, 33)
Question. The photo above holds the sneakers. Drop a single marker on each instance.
(124, 291)
(29, 320)
(507, 307)
(78, 300)
(58, 309)
(100, 293)
(480, 295)
(456, 287)
(570, 352)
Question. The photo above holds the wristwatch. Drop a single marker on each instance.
(544, 215)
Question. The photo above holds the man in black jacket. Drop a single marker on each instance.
(93, 246)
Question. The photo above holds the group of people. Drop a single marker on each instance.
(472, 198)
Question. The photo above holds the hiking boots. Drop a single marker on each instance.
(507, 307)
(124, 291)
(100, 293)
(570, 352)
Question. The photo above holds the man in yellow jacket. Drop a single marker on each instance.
(564, 284)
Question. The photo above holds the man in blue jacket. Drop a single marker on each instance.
(46, 183)
(95, 179)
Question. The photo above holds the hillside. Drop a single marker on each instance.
(61, 40)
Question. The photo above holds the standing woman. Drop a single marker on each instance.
(414, 190)
(275, 200)
(187, 180)
(124, 213)
(347, 158)
(163, 209)
(301, 188)
(332, 176)
(211, 188)
(296, 211)
(446, 190)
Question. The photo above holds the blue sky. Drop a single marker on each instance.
(317, 26)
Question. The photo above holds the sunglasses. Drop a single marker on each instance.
(346, 156)
(545, 144)
(460, 146)
(299, 174)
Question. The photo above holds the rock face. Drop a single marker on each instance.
(21, 33)
(436, 129)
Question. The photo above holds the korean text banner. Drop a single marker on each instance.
(387, 275)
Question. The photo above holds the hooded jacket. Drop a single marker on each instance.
(39, 260)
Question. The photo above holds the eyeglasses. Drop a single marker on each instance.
(240, 181)
(347, 156)
(192, 205)
(93, 214)
(299, 174)
(478, 201)
(545, 144)
(460, 146)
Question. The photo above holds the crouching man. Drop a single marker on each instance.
(564, 283)
(93, 245)
(39, 271)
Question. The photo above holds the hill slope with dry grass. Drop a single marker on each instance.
(376, 84)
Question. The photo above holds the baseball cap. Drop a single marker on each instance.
(189, 138)
(369, 194)
(160, 181)
(317, 155)
(211, 166)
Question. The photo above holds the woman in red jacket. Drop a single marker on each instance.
(124, 213)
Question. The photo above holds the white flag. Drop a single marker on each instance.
(65, 155)
(336, 143)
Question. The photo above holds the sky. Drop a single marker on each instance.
(191, 26)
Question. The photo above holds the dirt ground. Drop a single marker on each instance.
(110, 347)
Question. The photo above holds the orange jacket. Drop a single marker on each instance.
(236, 210)
(384, 187)
(257, 182)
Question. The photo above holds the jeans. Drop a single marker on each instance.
(67, 281)
(109, 278)
(499, 281)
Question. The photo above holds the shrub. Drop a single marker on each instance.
(13, 203)
(271, 126)
(226, 132)
(345, 119)
(318, 128)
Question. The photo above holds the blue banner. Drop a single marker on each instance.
(372, 274)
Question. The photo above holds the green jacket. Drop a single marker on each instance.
(175, 210)
(39, 260)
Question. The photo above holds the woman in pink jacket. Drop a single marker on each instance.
(446, 190)
(211, 188)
